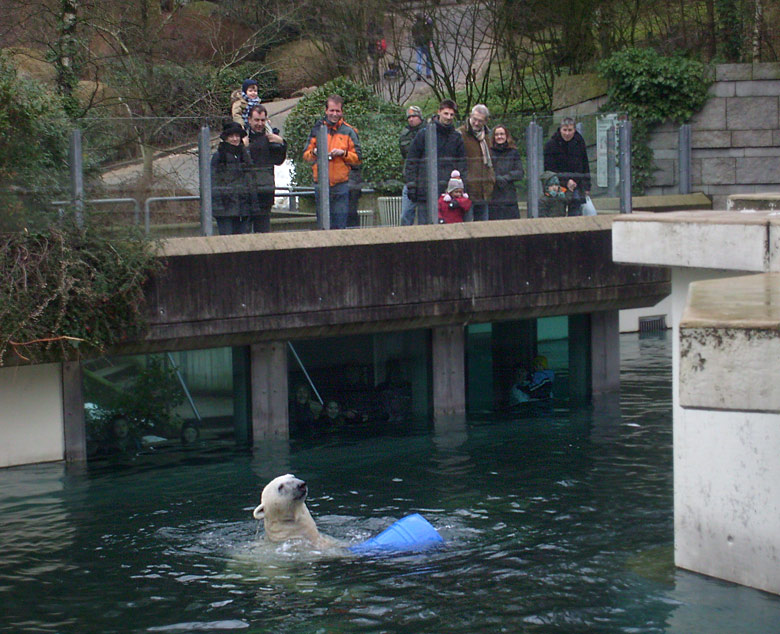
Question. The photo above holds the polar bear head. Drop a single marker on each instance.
(284, 513)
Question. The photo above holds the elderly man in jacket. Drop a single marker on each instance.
(343, 152)
(480, 176)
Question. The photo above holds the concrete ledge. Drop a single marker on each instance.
(764, 200)
(730, 344)
(724, 240)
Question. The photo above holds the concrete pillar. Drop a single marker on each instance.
(579, 357)
(269, 391)
(74, 430)
(242, 395)
(449, 371)
(605, 351)
(514, 343)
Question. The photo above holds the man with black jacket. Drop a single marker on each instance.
(566, 154)
(450, 152)
(266, 150)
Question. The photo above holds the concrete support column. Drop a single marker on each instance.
(449, 371)
(579, 357)
(74, 430)
(242, 395)
(605, 351)
(514, 343)
(269, 390)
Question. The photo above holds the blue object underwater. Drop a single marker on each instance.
(410, 533)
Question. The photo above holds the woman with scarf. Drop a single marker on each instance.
(233, 194)
(508, 168)
(480, 176)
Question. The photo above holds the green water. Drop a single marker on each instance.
(556, 520)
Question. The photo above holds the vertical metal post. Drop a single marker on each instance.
(625, 167)
(323, 179)
(75, 159)
(684, 158)
(532, 136)
(432, 173)
(204, 170)
(611, 162)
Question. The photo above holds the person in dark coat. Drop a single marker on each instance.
(233, 195)
(566, 154)
(449, 148)
(508, 168)
(266, 150)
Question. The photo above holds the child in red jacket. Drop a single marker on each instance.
(455, 203)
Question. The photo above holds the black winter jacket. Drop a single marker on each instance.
(568, 159)
(233, 191)
(451, 155)
(508, 168)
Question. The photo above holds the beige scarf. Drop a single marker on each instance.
(482, 138)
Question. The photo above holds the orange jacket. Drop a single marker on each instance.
(340, 136)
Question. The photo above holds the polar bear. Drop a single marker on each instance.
(284, 513)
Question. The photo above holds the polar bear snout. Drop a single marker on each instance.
(301, 491)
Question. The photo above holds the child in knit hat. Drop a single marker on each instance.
(454, 203)
(244, 99)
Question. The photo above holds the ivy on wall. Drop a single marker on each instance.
(652, 89)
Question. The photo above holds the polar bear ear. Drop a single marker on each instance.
(258, 513)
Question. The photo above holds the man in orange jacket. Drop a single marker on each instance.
(343, 152)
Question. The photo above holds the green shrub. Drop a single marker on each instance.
(652, 89)
(378, 123)
(67, 290)
(33, 147)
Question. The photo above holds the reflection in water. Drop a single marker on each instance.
(556, 520)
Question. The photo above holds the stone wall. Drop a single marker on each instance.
(735, 137)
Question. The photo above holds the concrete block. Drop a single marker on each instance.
(730, 336)
(727, 496)
(721, 152)
(665, 154)
(712, 116)
(665, 173)
(752, 152)
(686, 239)
(710, 139)
(695, 171)
(769, 88)
(766, 70)
(719, 170)
(723, 89)
(757, 170)
(775, 137)
(752, 113)
(763, 200)
(753, 138)
(663, 140)
(732, 72)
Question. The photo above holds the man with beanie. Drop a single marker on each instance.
(567, 155)
(343, 152)
(449, 152)
(480, 177)
(414, 123)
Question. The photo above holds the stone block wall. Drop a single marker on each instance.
(735, 138)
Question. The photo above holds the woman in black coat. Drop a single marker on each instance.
(233, 195)
(508, 168)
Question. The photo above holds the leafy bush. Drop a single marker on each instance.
(652, 89)
(66, 290)
(378, 123)
(33, 147)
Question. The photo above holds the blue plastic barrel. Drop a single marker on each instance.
(410, 533)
